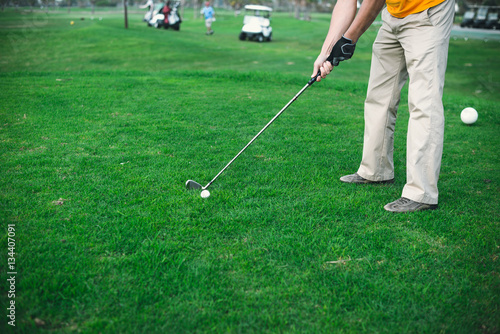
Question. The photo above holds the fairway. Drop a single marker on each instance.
(101, 126)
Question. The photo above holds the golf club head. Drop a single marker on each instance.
(190, 184)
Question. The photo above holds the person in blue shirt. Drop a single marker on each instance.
(209, 14)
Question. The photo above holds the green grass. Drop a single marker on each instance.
(101, 126)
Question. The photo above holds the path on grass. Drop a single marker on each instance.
(474, 33)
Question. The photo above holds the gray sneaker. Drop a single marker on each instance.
(355, 178)
(407, 205)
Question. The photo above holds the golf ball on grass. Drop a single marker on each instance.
(469, 115)
(205, 193)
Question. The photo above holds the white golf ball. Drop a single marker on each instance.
(205, 193)
(469, 115)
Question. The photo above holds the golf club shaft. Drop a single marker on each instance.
(264, 128)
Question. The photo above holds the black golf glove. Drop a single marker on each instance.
(342, 50)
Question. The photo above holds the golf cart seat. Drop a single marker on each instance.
(257, 20)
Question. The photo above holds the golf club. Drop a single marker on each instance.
(190, 184)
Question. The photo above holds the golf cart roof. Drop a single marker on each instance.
(258, 7)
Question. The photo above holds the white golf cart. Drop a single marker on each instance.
(257, 23)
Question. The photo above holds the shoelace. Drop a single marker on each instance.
(404, 200)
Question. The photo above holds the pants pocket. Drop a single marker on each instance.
(437, 13)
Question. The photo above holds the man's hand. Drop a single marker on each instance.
(342, 50)
(321, 67)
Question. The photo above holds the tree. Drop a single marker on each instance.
(125, 13)
(302, 10)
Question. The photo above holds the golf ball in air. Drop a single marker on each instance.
(468, 115)
(205, 193)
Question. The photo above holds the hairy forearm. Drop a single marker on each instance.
(342, 17)
(345, 23)
(367, 14)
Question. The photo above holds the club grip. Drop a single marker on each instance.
(313, 79)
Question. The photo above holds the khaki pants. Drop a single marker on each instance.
(415, 47)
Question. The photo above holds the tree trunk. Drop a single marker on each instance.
(305, 10)
(125, 11)
(195, 9)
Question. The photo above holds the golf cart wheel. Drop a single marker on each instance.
(243, 36)
(260, 38)
(270, 37)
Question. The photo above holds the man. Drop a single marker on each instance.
(151, 7)
(411, 43)
(166, 12)
(209, 14)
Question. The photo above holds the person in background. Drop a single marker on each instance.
(166, 11)
(151, 7)
(412, 43)
(209, 14)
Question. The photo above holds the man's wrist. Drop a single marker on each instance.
(348, 35)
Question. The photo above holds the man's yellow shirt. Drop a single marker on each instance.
(403, 8)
